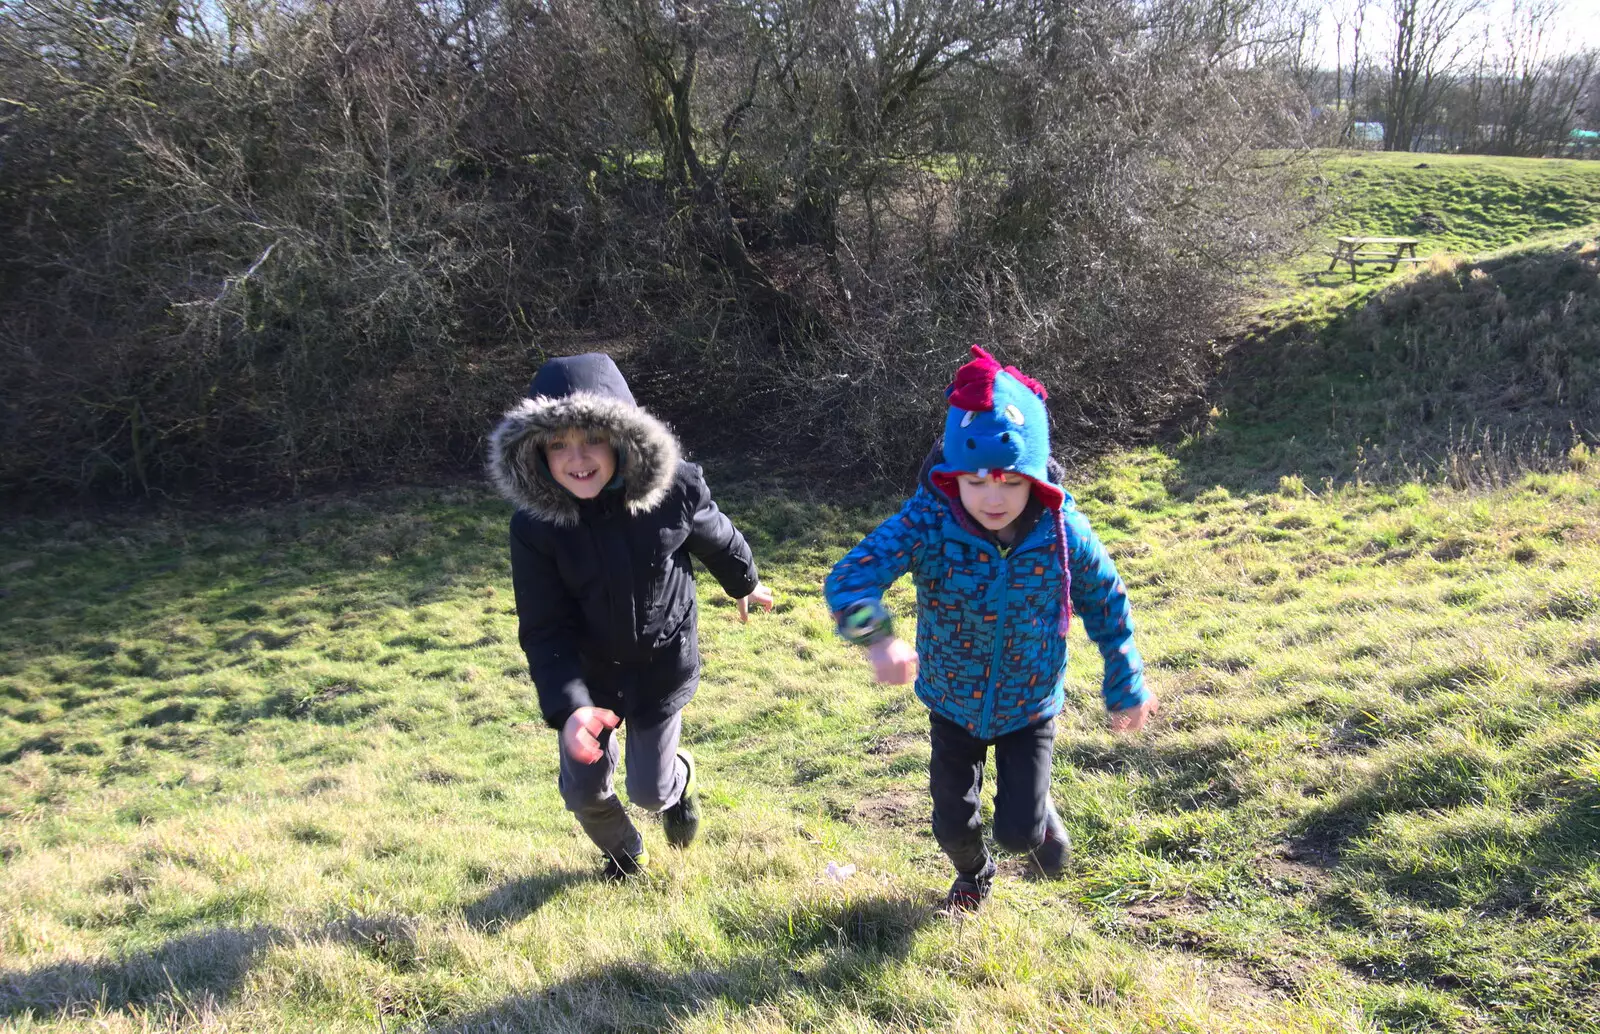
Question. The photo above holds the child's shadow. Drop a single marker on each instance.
(203, 965)
(839, 947)
(512, 902)
(199, 967)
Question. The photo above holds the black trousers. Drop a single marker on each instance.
(1021, 792)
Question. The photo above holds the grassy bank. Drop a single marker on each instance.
(1457, 206)
(1467, 371)
(1457, 202)
(281, 770)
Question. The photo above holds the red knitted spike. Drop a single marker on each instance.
(1028, 382)
(973, 388)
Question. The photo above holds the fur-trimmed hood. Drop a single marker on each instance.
(587, 393)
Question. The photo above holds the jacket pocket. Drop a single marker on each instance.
(666, 583)
(962, 616)
(969, 570)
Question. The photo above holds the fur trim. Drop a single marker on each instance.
(647, 453)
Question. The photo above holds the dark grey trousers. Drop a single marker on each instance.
(1021, 793)
(655, 781)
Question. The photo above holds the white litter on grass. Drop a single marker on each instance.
(840, 873)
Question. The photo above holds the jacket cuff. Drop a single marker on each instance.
(743, 587)
(571, 696)
(1129, 695)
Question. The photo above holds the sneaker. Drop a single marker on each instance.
(681, 822)
(969, 891)
(619, 868)
(1050, 857)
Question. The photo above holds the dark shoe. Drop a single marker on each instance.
(968, 892)
(681, 822)
(619, 868)
(1050, 857)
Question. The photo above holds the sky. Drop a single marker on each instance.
(1577, 25)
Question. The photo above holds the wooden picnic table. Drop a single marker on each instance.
(1390, 251)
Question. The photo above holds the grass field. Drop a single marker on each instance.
(280, 769)
(1455, 205)
(1460, 203)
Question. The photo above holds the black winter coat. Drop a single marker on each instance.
(605, 587)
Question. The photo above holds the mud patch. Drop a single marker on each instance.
(1233, 984)
(897, 809)
(895, 743)
(1242, 976)
(1296, 869)
(1164, 908)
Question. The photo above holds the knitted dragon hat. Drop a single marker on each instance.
(997, 422)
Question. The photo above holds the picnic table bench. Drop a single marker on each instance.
(1390, 251)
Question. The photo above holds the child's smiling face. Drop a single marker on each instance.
(994, 501)
(582, 462)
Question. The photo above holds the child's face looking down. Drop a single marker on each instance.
(582, 462)
(994, 501)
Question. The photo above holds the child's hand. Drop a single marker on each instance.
(1132, 719)
(580, 737)
(893, 661)
(761, 596)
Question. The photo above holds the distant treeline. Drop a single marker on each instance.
(261, 244)
(1448, 75)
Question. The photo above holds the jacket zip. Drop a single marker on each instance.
(986, 723)
(611, 581)
(986, 718)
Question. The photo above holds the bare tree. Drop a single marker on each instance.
(1284, 38)
(864, 91)
(1349, 24)
(1536, 93)
(269, 242)
(1423, 50)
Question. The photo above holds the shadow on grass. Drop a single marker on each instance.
(1173, 776)
(1422, 781)
(188, 974)
(513, 902)
(1494, 870)
(180, 975)
(839, 946)
(1340, 276)
(840, 949)
(239, 575)
(250, 580)
(1474, 374)
(271, 593)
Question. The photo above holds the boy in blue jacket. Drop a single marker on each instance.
(1001, 557)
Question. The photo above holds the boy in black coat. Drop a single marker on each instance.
(608, 515)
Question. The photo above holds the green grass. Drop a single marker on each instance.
(280, 769)
(1470, 372)
(1457, 206)
(1459, 203)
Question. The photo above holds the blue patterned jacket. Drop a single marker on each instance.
(991, 656)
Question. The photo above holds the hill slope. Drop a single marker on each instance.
(1459, 203)
(1466, 370)
(280, 769)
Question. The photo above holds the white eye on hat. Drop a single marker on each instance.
(1014, 415)
(967, 420)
